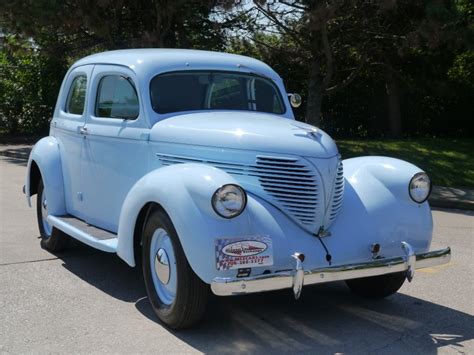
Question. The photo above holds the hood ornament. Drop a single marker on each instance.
(311, 132)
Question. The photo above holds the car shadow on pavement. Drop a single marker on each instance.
(327, 318)
(105, 271)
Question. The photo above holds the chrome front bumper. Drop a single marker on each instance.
(298, 277)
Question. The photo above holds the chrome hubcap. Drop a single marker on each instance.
(163, 266)
(44, 215)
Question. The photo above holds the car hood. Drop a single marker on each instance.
(245, 130)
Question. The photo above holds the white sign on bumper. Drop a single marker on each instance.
(243, 252)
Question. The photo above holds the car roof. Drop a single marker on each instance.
(152, 61)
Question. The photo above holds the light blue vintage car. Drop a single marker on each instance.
(190, 165)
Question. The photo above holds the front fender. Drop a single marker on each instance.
(46, 157)
(184, 191)
(393, 174)
(377, 208)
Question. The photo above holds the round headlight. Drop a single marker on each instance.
(229, 201)
(420, 187)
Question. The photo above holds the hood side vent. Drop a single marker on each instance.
(231, 168)
(338, 195)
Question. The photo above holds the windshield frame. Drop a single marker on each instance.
(252, 74)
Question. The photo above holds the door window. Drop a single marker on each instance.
(77, 95)
(117, 98)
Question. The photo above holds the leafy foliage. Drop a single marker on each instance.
(29, 83)
(462, 71)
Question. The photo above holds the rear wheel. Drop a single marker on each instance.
(177, 295)
(52, 239)
(377, 286)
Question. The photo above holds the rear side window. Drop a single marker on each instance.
(116, 98)
(77, 95)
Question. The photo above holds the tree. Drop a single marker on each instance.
(43, 37)
(364, 67)
(29, 83)
(309, 25)
(397, 31)
(84, 24)
(339, 39)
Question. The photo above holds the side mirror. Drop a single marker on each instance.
(295, 100)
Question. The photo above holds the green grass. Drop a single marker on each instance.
(448, 162)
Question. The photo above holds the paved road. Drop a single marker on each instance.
(85, 301)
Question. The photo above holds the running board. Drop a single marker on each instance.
(84, 232)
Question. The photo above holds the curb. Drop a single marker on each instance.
(19, 140)
(452, 198)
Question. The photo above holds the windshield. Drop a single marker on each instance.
(214, 90)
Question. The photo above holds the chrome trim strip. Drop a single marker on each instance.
(286, 279)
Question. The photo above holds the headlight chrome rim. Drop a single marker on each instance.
(215, 200)
(412, 180)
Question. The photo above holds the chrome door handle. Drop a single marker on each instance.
(83, 130)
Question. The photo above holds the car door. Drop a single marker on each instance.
(115, 147)
(67, 126)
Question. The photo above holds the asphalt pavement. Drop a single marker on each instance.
(82, 300)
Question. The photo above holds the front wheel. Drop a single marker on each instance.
(377, 286)
(177, 295)
(52, 239)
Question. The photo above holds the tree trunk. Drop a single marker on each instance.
(315, 94)
(392, 88)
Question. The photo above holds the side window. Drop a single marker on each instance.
(116, 98)
(77, 95)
